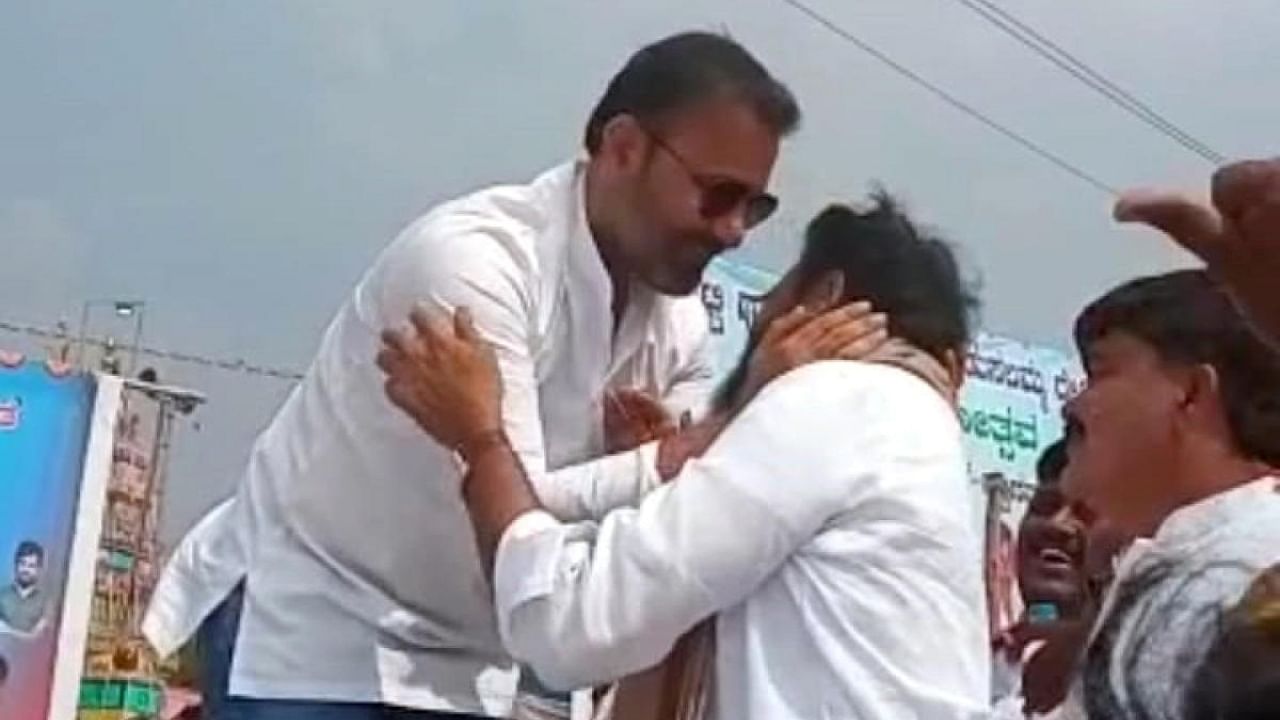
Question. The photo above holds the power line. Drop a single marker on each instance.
(952, 100)
(1096, 80)
(238, 365)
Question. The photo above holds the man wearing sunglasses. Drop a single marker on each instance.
(363, 594)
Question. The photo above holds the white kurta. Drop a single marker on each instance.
(209, 559)
(829, 526)
(363, 579)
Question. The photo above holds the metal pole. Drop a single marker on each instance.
(138, 309)
(84, 329)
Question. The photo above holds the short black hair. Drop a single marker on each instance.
(1051, 463)
(902, 270)
(686, 69)
(29, 548)
(1188, 318)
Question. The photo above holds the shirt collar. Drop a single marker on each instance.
(1191, 523)
(26, 594)
(586, 266)
(592, 284)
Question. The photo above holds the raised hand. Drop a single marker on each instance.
(1238, 236)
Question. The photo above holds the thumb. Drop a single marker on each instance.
(464, 325)
(1193, 225)
(1242, 185)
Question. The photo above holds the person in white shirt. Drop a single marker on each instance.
(827, 528)
(363, 594)
(1174, 440)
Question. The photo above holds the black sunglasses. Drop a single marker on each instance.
(721, 196)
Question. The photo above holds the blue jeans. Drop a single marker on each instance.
(216, 643)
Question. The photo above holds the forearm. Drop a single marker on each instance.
(497, 489)
(496, 492)
(588, 491)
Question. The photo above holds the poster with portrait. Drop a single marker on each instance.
(44, 426)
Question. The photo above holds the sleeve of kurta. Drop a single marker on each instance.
(585, 604)
(455, 261)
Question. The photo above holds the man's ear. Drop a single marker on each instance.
(1202, 394)
(623, 144)
(826, 293)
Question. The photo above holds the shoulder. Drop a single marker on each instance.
(881, 416)
(1247, 535)
(481, 247)
(1183, 598)
(842, 385)
(862, 415)
(501, 224)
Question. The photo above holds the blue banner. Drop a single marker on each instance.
(44, 421)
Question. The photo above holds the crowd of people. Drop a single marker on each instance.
(510, 485)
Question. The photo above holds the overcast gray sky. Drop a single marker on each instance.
(237, 164)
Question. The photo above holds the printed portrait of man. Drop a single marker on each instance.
(23, 601)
